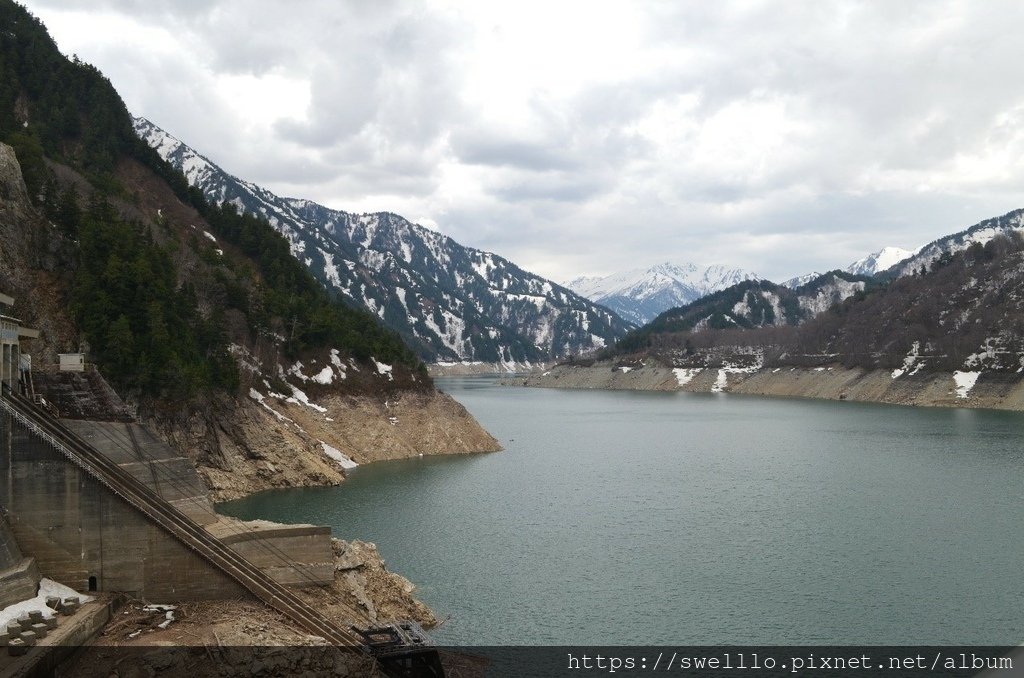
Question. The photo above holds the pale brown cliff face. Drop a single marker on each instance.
(241, 447)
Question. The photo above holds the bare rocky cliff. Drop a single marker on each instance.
(31, 257)
(245, 446)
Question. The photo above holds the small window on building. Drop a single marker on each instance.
(92, 583)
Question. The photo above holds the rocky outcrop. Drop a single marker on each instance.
(364, 582)
(12, 184)
(32, 255)
(245, 446)
(991, 390)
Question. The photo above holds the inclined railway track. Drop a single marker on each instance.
(176, 523)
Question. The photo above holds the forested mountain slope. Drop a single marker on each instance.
(962, 312)
(449, 302)
(197, 314)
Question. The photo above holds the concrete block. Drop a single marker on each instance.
(52, 602)
(40, 630)
(36, 616)
(4, 639)
(51, 622)
(68, 609)
(17, 647)
(13, 629)
(28, 637)
(72, 600)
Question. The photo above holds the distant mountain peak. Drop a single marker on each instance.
(879, 261)
(639, 295)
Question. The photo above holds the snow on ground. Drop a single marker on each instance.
(965, 382)
(258, 397)
(776, 303)
(210, 236)
(300, 398)
(830, 294)
(383, 368)
(685, 375)
(324, 376)
(741, 308)
(625, 369)
(330, 269)
(989, 353)
(47, 587)
(336, 454)
(723, 374)
(336, 361)
(908, 363)
(296, 371)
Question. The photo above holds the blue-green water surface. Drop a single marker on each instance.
(658, 518)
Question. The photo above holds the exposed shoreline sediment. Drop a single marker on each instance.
(468, 369)
(992, 390)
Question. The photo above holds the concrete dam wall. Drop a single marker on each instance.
(85, 536)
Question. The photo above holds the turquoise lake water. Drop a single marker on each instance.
(657, 518)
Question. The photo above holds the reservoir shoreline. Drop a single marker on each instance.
(990, 390)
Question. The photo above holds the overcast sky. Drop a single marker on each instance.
(589, 137)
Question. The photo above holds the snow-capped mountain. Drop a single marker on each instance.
(980, 234)
(449, 302)
(870, 265)
(639, 295)
(796, 282)
(759, 303)
(882, 260)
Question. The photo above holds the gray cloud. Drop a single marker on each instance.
(778, 136)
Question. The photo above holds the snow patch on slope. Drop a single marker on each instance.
(965, 382)
(337, 455)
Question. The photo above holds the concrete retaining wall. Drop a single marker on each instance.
(295, 555)
(83, 535)
(152, 462)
